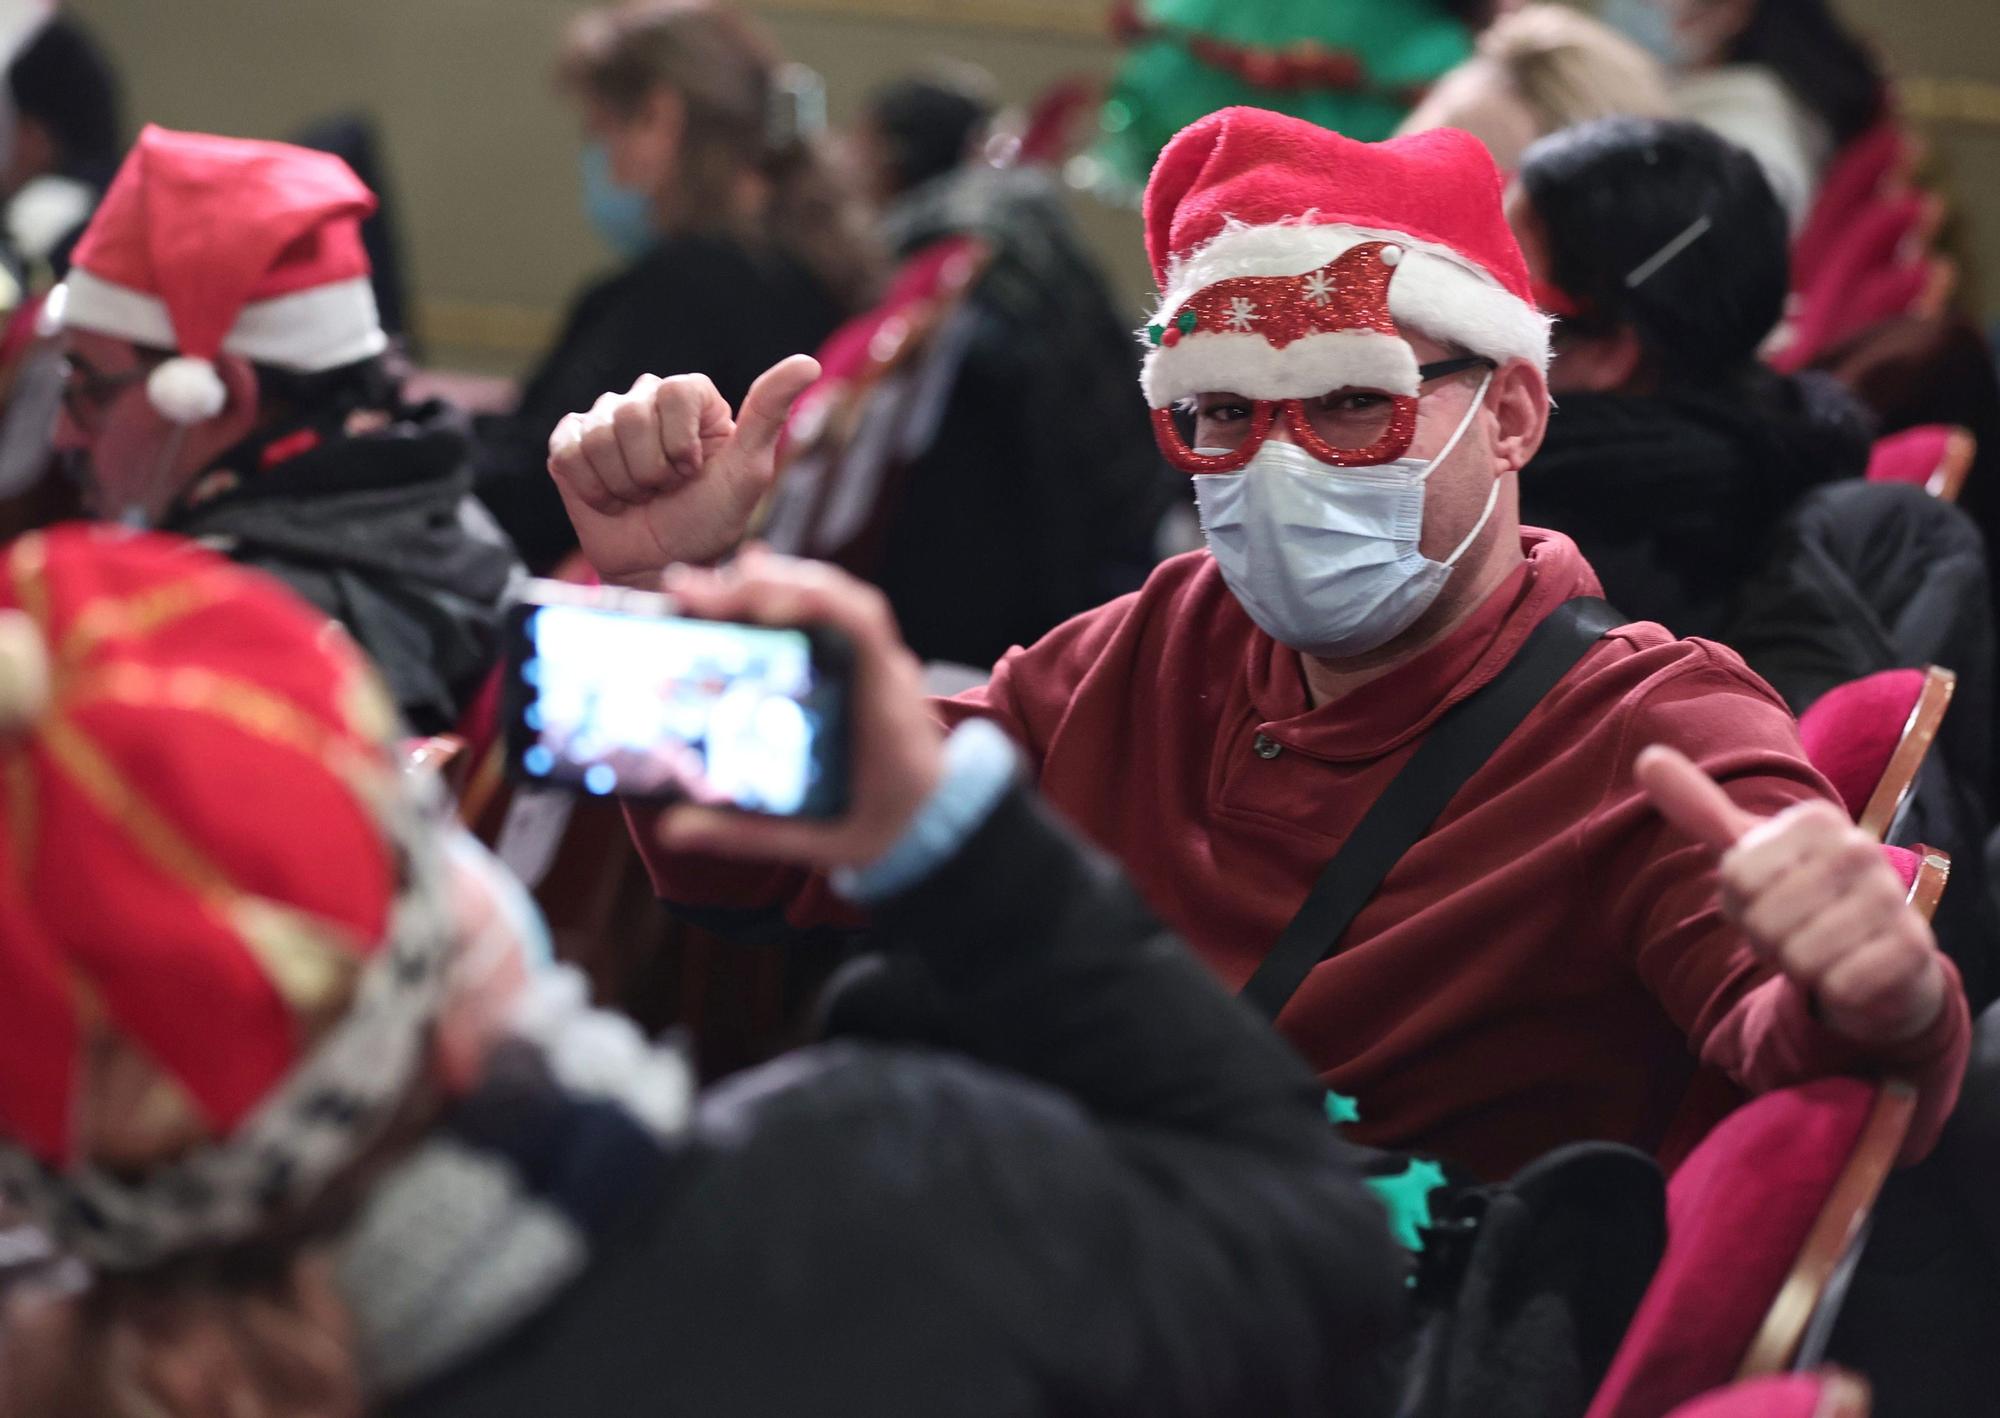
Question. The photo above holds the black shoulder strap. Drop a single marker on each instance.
(1451, 753)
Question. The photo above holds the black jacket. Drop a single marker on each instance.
(693, 304)
(1673, 497)
(1865, 577)
(999, 475)
(1109, 1189)
(381, 533)
(1919, 1320)
(1040, 494)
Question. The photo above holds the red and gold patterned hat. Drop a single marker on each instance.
(206, 843)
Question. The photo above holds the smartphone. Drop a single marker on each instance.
(608, 691)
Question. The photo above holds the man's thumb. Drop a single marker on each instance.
(1690, 799)
(769, 403)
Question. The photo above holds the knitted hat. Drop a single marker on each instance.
(1287, 256)
(209, 850)
(204, 245)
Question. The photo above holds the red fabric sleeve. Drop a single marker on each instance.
(1739, 1015)
(1032, 688)
(1027, 695)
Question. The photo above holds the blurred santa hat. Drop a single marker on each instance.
(205, 245)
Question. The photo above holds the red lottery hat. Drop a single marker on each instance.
(192, 846)
(205, 244)
(1287, 256)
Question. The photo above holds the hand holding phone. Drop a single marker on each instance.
(898, 747)
(614, 692)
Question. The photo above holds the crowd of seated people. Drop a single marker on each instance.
(1401, 956)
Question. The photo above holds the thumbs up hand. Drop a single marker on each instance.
(1816, 898)
(663, 473)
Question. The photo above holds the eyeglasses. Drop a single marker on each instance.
(1345, 428)
(87, 393)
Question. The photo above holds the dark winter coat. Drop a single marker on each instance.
(1865, 577)
(1041, 492)
(697, 304)
(382, 534)
(1673, 498)
(1101, 1187)
(1919, 1319)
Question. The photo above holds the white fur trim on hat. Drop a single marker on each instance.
(309, 330)
(187, 391)
(1435, 292)
(1247, 364)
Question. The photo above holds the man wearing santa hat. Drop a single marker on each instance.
(226, 381)
(1349, 363)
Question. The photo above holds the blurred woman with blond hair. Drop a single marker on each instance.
(1538, 70)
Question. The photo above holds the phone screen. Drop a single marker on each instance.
(658, 706)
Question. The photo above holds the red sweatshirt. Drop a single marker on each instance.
(1546, 965)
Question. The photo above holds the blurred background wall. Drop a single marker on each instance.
(482, 155)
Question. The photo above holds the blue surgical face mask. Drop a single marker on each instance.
(623, 216)
(1647, 24)
(1325, 559)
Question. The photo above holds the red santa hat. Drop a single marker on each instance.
(204, 245)
(1288, 255)
(207, 848)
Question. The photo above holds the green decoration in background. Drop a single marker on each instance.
(1396, 48)
(1341, 1109)
(1407, 1195)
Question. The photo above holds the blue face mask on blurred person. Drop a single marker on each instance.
(623, 216)
(1647, 24)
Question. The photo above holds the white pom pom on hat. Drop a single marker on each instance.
(24, 671)
(187, 390)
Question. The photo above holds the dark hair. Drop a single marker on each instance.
(728, 75)
(63, 81)
(1475, 15)
(928, 123)
(372, 383)
(1617, 196)
(1826, 68)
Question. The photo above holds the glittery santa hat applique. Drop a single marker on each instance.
(204, 245)
(1288, 256)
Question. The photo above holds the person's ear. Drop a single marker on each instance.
(1599, 364)
(1520, 404)
(242, 395)
(32, 153)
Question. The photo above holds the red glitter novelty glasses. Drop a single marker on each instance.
(1346, 428)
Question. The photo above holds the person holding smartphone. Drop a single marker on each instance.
(326, 1141)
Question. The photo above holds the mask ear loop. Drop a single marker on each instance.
(137, 514)
(1492, 493)
(1471, 412)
